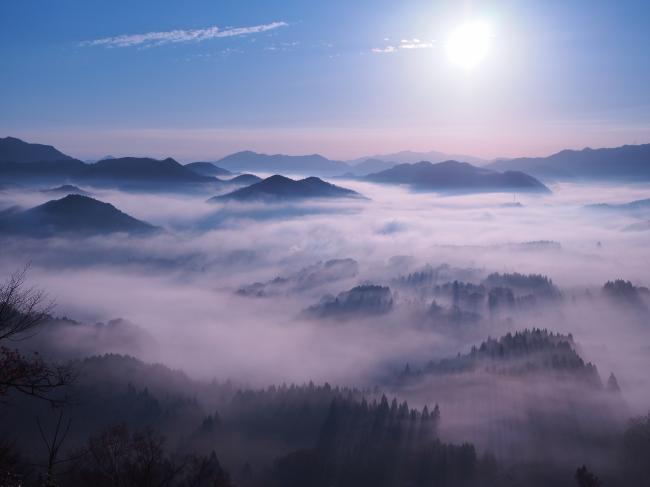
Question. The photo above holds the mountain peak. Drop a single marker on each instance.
(16, 150)
(279, 187)
(454, 176)
(73, 214)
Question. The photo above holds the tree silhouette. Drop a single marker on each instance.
(22, 311)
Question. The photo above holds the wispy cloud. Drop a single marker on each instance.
(181, 35)
(404, 44)
(384, 50)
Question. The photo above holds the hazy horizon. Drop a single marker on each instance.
(162, 145)
(341, 80)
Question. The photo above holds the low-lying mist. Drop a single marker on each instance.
(179, 288)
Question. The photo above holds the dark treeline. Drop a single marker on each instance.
(113, 420)
(525, 352)
(152, 434)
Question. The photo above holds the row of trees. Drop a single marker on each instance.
(118, 422)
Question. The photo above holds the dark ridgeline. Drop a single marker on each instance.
(124, 173)
(629, 162)
(457, 177)
(144, 169)
(524, 354)
(18, 151)
(280, 188)
(73, 214)
(25, 163)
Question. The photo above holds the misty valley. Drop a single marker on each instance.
(273, 320)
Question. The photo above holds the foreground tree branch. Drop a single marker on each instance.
(22, 310)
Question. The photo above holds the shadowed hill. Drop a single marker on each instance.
(282, 188)
(73, 214)
(523, 353)
(124, 173)
(629, 162)
(452, 176)
(16, 150)
(144, 168)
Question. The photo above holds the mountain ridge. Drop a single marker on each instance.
(279, 187)
(627, 162)
(73, 214)
(16, 150)
(454, 176)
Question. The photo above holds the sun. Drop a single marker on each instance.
(469, 44)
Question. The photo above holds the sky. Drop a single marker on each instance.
(202, 79)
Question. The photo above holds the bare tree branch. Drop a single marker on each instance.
(22, 310)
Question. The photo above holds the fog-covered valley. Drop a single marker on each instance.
(523, 319)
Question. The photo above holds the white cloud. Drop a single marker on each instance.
(180, 35)
(385, 50)
(414, 43)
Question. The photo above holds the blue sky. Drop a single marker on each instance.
(322, 76)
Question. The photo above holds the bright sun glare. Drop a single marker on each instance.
(469, 43)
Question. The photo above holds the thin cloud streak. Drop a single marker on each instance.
(181, 35)
(404, 44)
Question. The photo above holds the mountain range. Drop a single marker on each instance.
(71, 215)
(279, 188)
(411, 157)
(457, 177)
(629, 162)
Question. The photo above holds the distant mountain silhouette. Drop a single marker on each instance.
(282, 188)
(16, 150)
(629, 162)
(207, 169)
(281, 163)
(73, 214)
(124, 172)
(65, 190)
(144, 168)
(452, 176)
(411, 157)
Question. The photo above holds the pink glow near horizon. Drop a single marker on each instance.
(211, 144)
